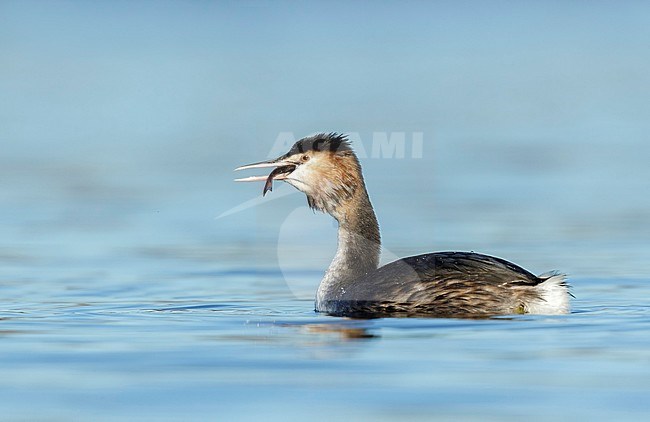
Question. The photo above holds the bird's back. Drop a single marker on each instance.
(449, 284)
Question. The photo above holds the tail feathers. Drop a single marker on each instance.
(554, 296)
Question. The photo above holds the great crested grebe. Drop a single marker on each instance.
(462, 284)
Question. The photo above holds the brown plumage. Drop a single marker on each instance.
(459, 284)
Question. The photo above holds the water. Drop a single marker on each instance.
(132, 291)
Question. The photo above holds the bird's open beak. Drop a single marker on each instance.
(283, 169)
(263, 164)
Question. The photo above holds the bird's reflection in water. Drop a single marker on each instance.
(344, 332)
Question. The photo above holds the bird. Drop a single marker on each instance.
(440, 284)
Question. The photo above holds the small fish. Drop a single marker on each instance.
(268, 186)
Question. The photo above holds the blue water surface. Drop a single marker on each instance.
(138, 282)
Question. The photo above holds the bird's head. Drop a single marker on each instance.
(322, 166)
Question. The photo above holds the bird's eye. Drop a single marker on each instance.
(304, 158)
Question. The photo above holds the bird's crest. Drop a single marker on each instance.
(333, 142)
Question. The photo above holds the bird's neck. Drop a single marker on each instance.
(359, 245)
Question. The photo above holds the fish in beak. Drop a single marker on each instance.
(283, 169)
